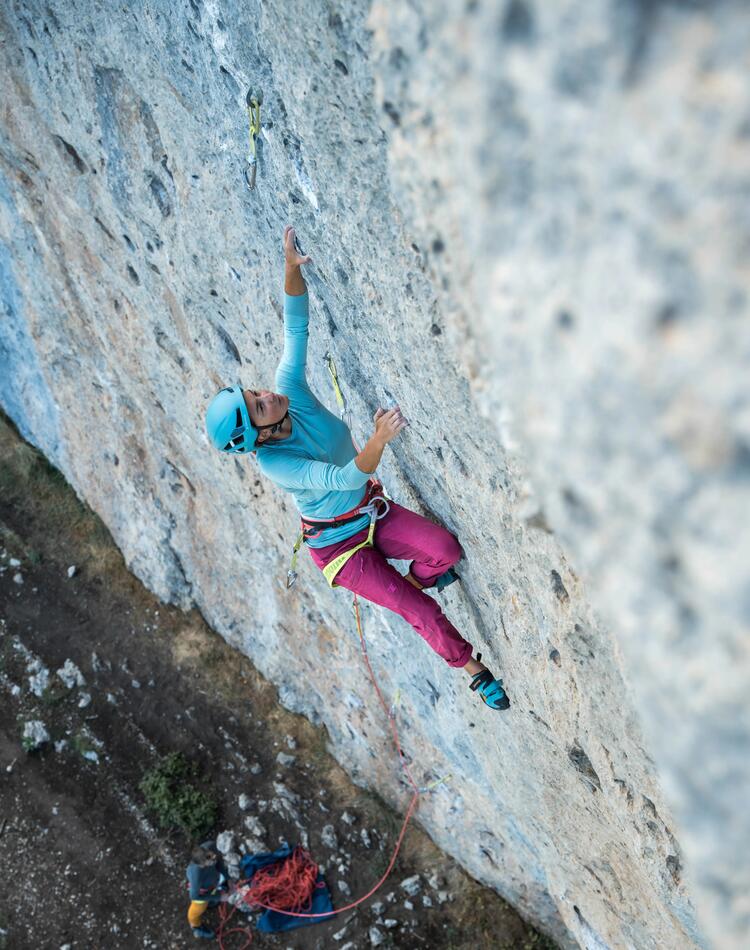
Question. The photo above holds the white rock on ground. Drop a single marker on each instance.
(412, 885)
(255, 827)
(376, 937)
(71, 675)
(328, 837)
(225, 841)
(34, 735)
(39, 681)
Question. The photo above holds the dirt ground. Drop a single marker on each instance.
(86, 863)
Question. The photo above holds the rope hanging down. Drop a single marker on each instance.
(293, 891)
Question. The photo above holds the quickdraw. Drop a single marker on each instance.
(254, 102)
(328, 360)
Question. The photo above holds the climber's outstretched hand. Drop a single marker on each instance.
(292, 255)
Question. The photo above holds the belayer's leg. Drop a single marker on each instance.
(195, 914)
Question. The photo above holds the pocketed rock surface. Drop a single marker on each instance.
(528, 226)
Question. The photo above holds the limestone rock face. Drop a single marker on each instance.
(528, 225)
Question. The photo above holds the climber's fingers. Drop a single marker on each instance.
(291, 248)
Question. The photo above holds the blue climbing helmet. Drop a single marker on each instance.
(228, 423)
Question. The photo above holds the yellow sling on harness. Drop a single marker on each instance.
(331, 570)
(333, 567)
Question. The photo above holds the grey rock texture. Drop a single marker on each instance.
(529, 225)
(592, 185)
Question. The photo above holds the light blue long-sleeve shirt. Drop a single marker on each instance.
(316, 462)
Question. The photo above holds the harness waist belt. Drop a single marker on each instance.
(313, 528)
(345, 519)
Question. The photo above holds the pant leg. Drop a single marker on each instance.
(196, 911)
(368, 574)
(405, 535)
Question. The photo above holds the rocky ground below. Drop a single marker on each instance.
(101, 686)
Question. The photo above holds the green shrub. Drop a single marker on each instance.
(174, 800)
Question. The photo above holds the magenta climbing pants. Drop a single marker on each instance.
(432, 549)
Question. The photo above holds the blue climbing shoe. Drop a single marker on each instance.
(490, 689)
(203, 932)
(446, 579)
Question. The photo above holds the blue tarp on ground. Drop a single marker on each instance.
(273, 921)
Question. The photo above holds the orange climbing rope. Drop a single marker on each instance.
(288, 883)
(287, 888)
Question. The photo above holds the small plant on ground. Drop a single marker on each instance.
(81, 743)
(176, 802)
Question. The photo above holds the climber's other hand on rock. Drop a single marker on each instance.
(388, 424)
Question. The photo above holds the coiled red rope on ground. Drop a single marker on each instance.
(288, 884)
(292, 882)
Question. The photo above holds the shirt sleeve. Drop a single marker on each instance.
(291, 378)
(296, 472)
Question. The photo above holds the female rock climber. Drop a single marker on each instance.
(308, 452)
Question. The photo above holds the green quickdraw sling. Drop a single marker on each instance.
(254, 101)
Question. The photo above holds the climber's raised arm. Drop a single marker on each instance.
(290, 375)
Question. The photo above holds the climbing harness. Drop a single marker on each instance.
(254, 102)
(370, 505)
(332, 569)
